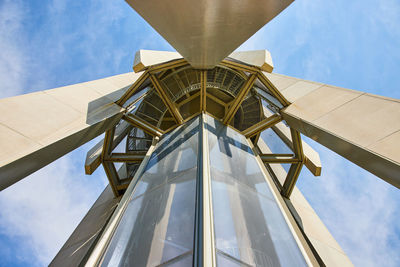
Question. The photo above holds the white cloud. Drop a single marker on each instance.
(12, 58)
(41, 211)
(359, 209)
(345, 43)
(44, 208)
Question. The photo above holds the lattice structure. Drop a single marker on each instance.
(170, 94)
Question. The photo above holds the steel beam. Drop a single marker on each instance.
(203, 91)
(167, 65)
(239, 99)
(279, 158)
(262, 125)
(127, 157)
(206, 233)
(166, 99)
(311, 157)
(271, 87)
(112, 176)
(144, 125)
(295, 168)
(133, 89)
(239, 66)
(93, 156)
(291, 179)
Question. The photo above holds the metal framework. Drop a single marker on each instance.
(233, 92)
(205, 252)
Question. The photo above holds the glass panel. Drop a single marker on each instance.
(274, 142)
(175, 154)
(224, 260)
(180, 261)
(248, 223)
(231, 158)
(158, 225)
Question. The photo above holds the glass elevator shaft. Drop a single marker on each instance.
(203, 198)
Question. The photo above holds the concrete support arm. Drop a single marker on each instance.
(206, 32)
(363, 128)
(147, 58)
(38, 128)
(81, 242)
(258, 58)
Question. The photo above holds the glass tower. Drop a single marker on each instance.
(162, 224)
(204, 166)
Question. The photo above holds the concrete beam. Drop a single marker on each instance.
(206, 32)
(258, 58)
(147, 58)
(361, 127)
(38, 128)
(82, 241)
(291, 88)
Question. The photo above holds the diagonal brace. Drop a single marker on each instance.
(144, 125)
(239, 98)
(262, 125)
(166, 99)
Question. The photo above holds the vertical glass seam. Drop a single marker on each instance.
(198, 229)
(209, 257)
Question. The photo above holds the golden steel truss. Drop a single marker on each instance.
(175, 94)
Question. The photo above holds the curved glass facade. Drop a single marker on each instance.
(249, 227)
(159, 225)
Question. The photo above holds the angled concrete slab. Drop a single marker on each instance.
(82, 241)
(205, 32)
(38, 128)
(258, 58)
(361, 127)
(147, 58)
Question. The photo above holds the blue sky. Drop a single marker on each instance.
(46, 44)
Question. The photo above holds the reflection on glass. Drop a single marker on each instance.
(249, 227)
(274, 142)
(224, 259)
(158, 225)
